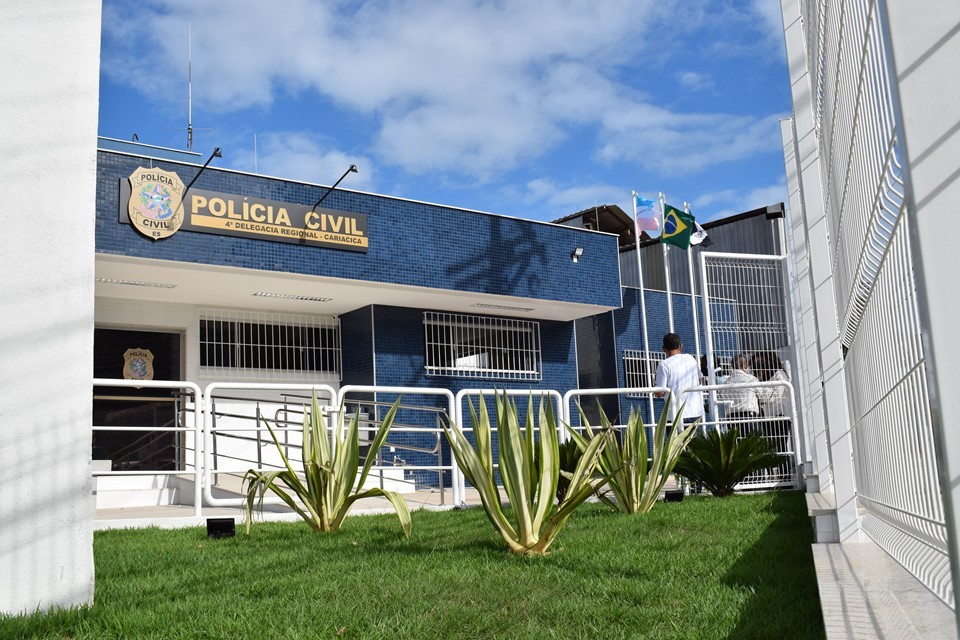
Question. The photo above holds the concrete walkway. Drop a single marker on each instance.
(176, 516)
(865, 594)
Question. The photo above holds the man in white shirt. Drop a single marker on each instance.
(677, 372)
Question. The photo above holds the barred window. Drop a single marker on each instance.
(269, 341)
(640, 368)
(481, 347)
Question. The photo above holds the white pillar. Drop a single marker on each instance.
(828, 410)
(48, 109)
(800, 307)
(925, 49)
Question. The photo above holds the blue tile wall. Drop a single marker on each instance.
(399, 357)
(411, 243)
(356, 346)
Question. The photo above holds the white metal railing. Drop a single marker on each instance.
(781, 430)
(455, 475)
(240, 423)
(196, 429)
(460, 421)
(232, 411)
(747, 324)
(785, 437)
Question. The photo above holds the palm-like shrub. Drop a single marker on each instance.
(721, 460)
(634, 479)
(530, 487)
(324, 490)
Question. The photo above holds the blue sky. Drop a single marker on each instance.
(532, 108)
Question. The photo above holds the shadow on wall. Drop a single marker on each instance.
(510, 265)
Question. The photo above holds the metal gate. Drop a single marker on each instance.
(748, 342)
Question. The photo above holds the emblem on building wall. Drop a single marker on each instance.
(156, 202)
(137, 364)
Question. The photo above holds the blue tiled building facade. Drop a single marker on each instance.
(566, 280)
(411, 243)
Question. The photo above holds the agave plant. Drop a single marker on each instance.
(721, 460)
(569, 456)
(529, 487)
(324, 490)
(634, 479)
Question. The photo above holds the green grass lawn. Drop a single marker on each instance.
(703, 568)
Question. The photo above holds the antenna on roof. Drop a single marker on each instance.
(189, 86)
(190, 127)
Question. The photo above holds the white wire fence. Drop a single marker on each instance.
(888, 404)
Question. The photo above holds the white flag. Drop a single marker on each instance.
(700, 237)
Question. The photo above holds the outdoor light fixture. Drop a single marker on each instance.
(500, 307)
(137, 283)
(576, 254)
(290, 296)
(216, 154)
(221, 527)
(352, 169)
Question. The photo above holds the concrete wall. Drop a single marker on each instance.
(48, 110)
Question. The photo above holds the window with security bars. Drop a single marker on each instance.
(481, 347)
(254, 342)
(640, 369)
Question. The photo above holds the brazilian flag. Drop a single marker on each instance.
(677, 227)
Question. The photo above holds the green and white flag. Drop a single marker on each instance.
(677, 227)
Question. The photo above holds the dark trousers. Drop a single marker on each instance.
(745, 422)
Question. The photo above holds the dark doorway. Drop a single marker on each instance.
(141, 355)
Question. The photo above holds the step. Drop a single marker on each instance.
(821, 504)
(822, 509)
(135, 498)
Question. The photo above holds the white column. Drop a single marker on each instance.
(48, 106)
(925, 49)
(800, 307)
(828, 412)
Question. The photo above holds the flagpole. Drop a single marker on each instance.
(643, 303)
(693, 291)
(666, 263)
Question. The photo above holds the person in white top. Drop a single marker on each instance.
(680, 371)
(778, 406)
(769, 368)
(742, 403)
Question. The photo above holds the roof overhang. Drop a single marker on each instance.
(215, 286)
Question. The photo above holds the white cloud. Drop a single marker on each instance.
(307, 157)
(561, 200)
(468, 87)
(671, 143)
(772, 19)
(720, 204)
(695, 81)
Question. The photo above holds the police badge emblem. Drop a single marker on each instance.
(156, 202)
(138, 364)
